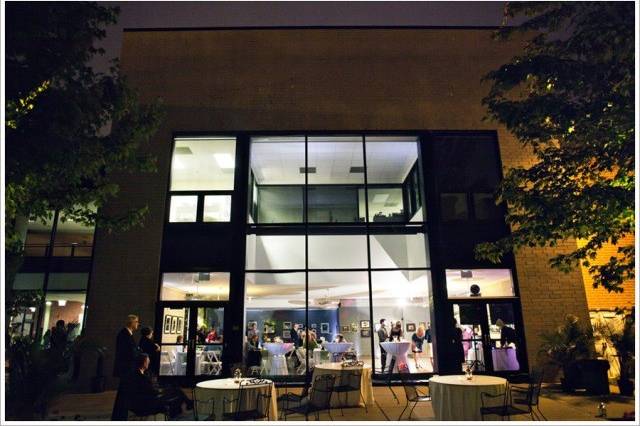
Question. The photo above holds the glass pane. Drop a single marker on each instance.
(209, 339)
(173, 347)
(335, 172)
(68, 281)
(183, 208)
(38, 237)
(399, 251)
(275, 315)
(73, 238)
(468, 318)
(67, 307)
(479, 283)
(277, 179)
(195, 286)
(386, 205)
(391, 161)
(203, 164)
(280, 204)
(217, 208)
(504, 339)
(337, 251)
(275, 252)
(402, 311)
(28, 281)
(339, 312)
(485, 207)
(453, 206)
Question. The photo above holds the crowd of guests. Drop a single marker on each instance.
(420, 342)
(137, 365)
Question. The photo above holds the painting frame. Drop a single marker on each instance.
(345, 329)
(250, 325)
(180, 326)
(174, 325)
(324, 328)
(365, 332)
(167, 324)
(354, 327)
(286, 334)
(314, 326)
(365, 324)
(410, 327)
(286, 325)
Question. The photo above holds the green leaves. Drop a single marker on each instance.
(570, 97)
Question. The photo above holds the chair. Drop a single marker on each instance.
(411, 391)
(350, 381)
(288, 397)
(319, 398)
(209, 414)
(210, 364)
(302, 357)
(242, 409)
(166, 365)
(506, 409)
(529, 396)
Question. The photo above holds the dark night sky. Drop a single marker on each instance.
(264, 13)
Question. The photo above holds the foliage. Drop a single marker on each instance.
(623, 339)
(69, 128)
(570, 342)
(569, 97)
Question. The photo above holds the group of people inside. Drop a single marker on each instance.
(137, 365)
(420, 343)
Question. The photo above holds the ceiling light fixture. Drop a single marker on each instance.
(225, 161)
(32, 308)
(48, 303)
(62, 303)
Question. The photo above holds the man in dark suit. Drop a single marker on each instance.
(383, 336)
(126, 350)
(151, 348)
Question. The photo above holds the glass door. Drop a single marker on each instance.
(191, 338)
(490, 341)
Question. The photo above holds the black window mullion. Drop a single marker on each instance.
(306, 252)
(366, 209)
(200, 208)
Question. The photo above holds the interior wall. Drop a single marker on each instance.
(172, 337)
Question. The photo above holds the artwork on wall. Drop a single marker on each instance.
(365, 324)
(180, 325)
(354, 326)
(269, 327)
(423, 325)
(314, 326)
(411, 326)
(286, 334)
(365, 332)
(324, 327)
(286, 325)
(345, 329)
(174, 325)
(167, 324)
(252, 324)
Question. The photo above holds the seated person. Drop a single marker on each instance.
(212, 336)
(144, 398)
(339, 339)
(310, 343)
(254, 354)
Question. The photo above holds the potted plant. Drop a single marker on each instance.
(623, 340)
(571, 347)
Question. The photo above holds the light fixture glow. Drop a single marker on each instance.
(62, 303)
(32, 308)
(48, 302)
(177, 164)
(225, 161)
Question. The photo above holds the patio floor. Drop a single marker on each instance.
(554, 404)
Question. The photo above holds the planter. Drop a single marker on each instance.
(626, 387)
(588, 374)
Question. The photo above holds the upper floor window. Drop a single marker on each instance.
(203, 164)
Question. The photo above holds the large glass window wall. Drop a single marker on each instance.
(349, 250)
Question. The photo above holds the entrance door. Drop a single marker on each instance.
(491, 339)
(191, 337)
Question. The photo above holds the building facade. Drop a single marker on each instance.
(322, 179)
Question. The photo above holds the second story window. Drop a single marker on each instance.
(202, 179)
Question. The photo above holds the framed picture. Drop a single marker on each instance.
(286, 334)
(423, 325)
(324, 327)
(174, 325)
(354, 327)
(252, 324)
(286, 325)
(180, 325)
(365, 324)
(167, 324)
(269, 328)
(411, 326)
(345, 329)
(365, 332)
(314, 326)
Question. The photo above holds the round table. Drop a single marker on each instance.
(504, 359)
(278, 360)
(220, 389)
(352, 399)
(456, 398)
(337, 349)
(399, 351)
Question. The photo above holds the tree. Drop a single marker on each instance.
(69, 128)
(570, 98)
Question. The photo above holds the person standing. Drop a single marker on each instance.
(396, 332)
(456, 345)
(151, 348)
(383, 336)
(126, 351)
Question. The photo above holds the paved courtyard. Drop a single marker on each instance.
(554, 404)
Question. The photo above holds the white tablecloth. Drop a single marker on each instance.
(350, 399)
(278, 360)
(227, 388)
(399, 350)
(456, 398)
(337, 349)
(504, 359)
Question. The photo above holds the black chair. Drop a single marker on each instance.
(350, 381)
(242, 408)
(319, 398)
(528, 396)
(287, 398)
(208, 414)
(412, 392)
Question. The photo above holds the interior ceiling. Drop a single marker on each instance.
(491, 281)
(277, 161)
(195, 165)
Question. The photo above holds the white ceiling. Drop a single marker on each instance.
(196, 164)
(277, 160)
(492, 282)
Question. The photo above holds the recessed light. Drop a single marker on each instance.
(62, 303)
